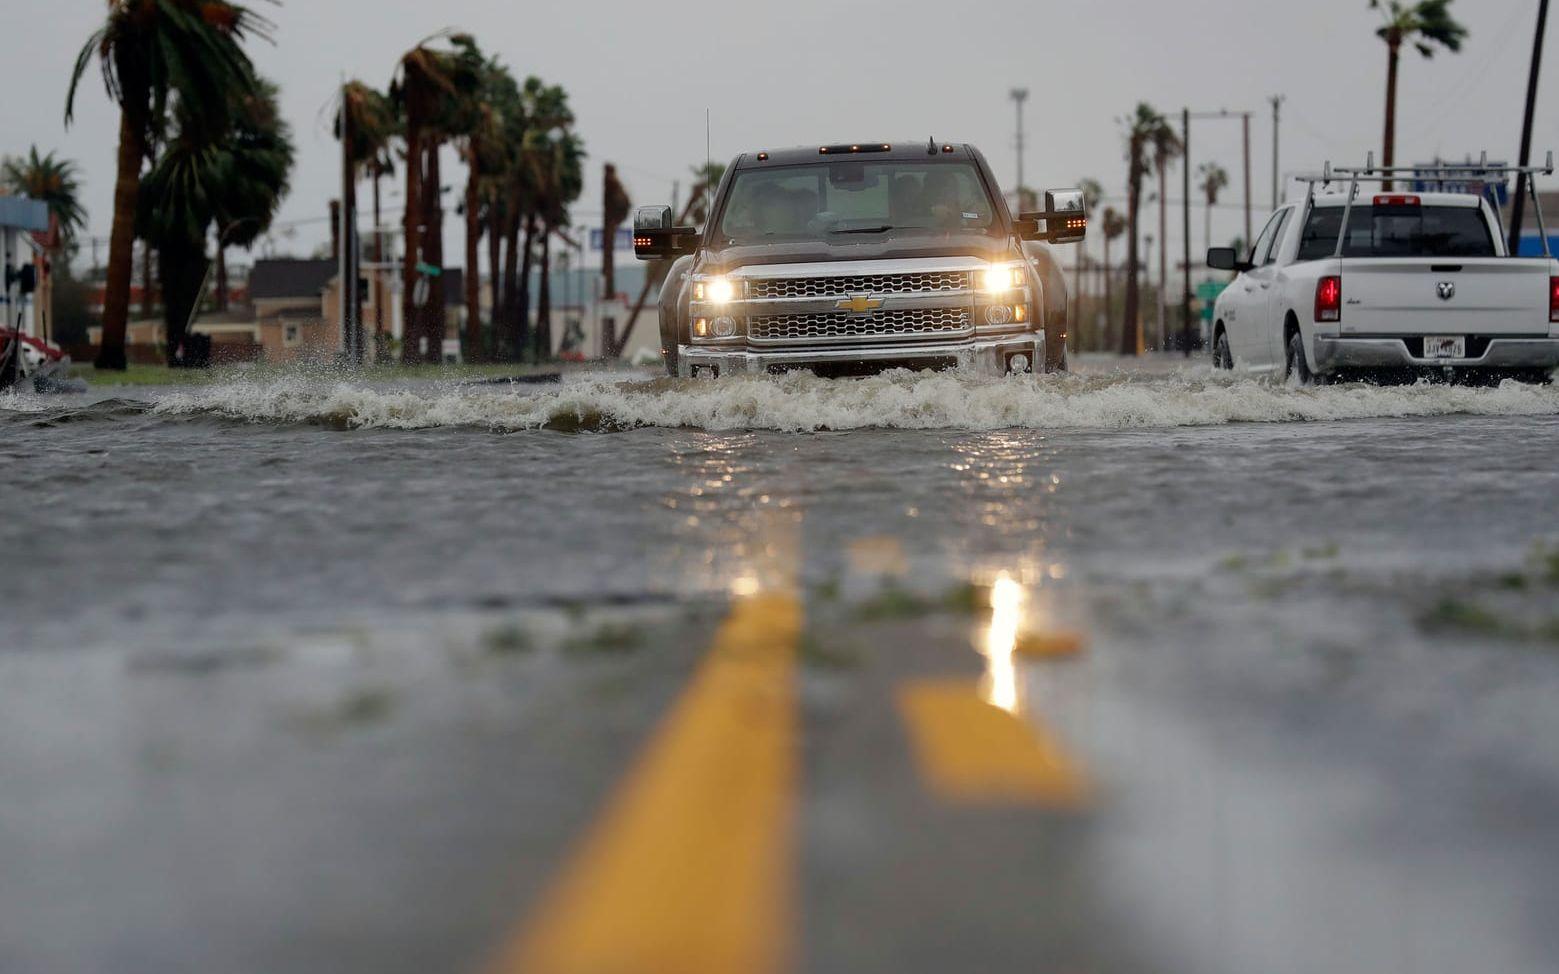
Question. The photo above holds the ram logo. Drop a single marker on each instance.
(1446, 290)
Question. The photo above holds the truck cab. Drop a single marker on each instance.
(853, 258)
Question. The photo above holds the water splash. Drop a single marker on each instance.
(801, 402)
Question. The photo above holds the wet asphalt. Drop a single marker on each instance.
(293, 695)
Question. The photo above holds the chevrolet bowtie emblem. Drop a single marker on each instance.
(859, 304)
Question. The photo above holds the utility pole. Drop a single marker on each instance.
(1245, 126)
(1526, 126)
(1019, 96)
(1277, 101)
(1185, 212)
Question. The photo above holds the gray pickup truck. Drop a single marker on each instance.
(847, 259)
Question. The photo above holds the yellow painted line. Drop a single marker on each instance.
(1049, 644)
(689, 870)
(969, 751)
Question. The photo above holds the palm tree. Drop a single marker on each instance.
(1114, 226)
(232, 179)
(1147, 131)
(1212, 179)
(487, 160)
(432, 89)
(368, 119)
(1166, 149)
(261, 151)
(539, 113)
(1423, 24)
(55, 182)
(559, 174)
(153, 52)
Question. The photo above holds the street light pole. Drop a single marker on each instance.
(1277, 101)
(1185, 211)
(1245, 126)
(1526, 127)
(1019, 96)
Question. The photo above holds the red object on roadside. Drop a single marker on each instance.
(1328, 298)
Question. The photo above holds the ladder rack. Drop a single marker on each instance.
(1440, 173)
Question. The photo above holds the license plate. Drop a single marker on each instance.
(1445, 346)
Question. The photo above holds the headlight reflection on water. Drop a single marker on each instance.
(1000, 687)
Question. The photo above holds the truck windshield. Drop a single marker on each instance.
(826, 200)
(1398, 231)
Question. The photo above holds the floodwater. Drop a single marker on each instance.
(310, 674)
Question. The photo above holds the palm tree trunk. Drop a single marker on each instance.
(474, 350)
(183, 272)
(436, 314)
(378, 277)
(544, 298)
(411, 315)
(1131, 323)
(1388, 154)
(522, 296)
(121, 246)
(511, 285)
(1163, 252)
(221, 275)
(351, 301)
(495, 278)
(1109, 300)
(148, 281)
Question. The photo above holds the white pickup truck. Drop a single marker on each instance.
(1421, 284)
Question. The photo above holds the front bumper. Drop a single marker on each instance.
(1393, 353)
(983, 357)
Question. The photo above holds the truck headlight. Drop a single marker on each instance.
(999, 278)
(715, 290)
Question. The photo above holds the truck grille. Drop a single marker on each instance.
(906, 323)
(825, 287)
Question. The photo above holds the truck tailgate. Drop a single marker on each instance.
(1457, 296)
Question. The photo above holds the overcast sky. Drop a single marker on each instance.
(640, 75)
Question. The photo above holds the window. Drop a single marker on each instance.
(1398, 231)
(291, 335)
(1271, 256)
(1258, 253)
(821, 200)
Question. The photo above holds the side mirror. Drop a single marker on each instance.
(1063, 220)
(1227, 259)
(654, 238)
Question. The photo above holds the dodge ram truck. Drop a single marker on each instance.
(844, 259)
(1417, 284)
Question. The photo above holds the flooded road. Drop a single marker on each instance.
(1121, 671)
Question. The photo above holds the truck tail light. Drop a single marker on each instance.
(1328, 298)
(1397, 199)
(1553, 299)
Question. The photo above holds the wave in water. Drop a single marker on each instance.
(800, 402)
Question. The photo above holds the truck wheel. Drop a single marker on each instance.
(1222, 357)
(1298, 368)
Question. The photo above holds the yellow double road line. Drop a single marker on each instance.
(970, 751)
(690, 869)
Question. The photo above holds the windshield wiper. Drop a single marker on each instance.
(882, 229)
